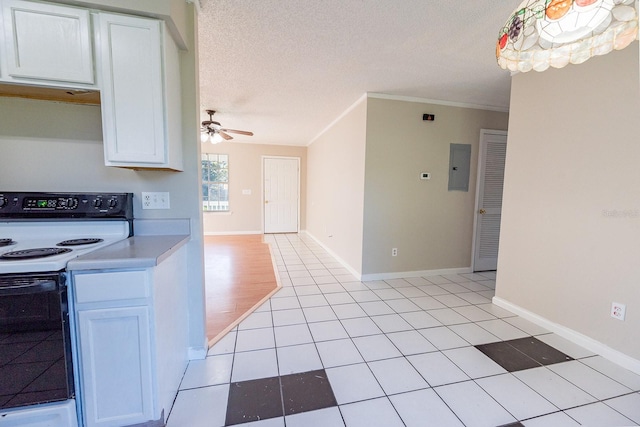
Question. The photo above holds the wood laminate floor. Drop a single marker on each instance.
(238, 276)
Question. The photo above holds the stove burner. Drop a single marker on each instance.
(33, 253)
(7, 242)
(79, 242)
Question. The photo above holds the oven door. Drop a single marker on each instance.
(35, 350)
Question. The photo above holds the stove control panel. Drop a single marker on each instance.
(37, 206)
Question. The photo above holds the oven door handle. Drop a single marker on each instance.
(36, 287)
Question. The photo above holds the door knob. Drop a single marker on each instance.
(266, 202)
(482, 212)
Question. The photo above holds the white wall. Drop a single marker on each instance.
(431, 227)
(335, 186)
(570, 236)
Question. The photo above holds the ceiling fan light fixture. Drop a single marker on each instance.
(216, 138)
(214, 133)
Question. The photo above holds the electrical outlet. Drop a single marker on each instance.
(618, 310)
(155, 200)
(394, 252)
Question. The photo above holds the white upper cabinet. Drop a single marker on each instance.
(47, 42)
(137, 71)
(137, 65)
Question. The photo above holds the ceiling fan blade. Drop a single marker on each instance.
(224, 135)
(241, 132)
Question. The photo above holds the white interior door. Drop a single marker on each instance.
(493, 150)
(281, 194)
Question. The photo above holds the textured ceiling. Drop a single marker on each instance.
(286, 69)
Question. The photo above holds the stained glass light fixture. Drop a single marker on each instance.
(544, 33)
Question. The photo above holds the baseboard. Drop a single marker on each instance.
(230, 233)
(423, 273)
(576, 337)
(344, 264)
(386, 276)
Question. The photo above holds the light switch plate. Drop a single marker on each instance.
(155, 200)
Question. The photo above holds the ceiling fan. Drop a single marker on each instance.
(213, 131)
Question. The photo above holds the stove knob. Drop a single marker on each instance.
(97, 203)
(3, 202)
(113, 203)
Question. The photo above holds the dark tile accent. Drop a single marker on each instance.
(507, 356)
(306, 392)
(522, 353)
(254, 400)
(539, 351)
(516, 424)
(262, 399)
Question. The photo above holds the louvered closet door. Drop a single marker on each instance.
(493, 150)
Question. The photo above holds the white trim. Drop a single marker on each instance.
(340, 117)
(345, 265)
(481, 160)
(589, 343)
(230, 233)
(424, 273)
(262, 188)
(196, 4)
(385, 276)
(406, 99)
(437, 102)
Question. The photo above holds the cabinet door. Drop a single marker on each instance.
(132, 91)
(115, 364)
(47, 42)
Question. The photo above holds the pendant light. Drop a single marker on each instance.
(554, 33)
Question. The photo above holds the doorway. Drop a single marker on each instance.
(281, 194)
(491, 162)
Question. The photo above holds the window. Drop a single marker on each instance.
(215, 182)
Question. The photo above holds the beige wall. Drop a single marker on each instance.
(431, 226)
(245, 173)
(50, 146)
(335, 187)
(570, 237)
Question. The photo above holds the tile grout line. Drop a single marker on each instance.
(305, 260)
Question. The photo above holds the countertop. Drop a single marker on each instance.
(135, 252)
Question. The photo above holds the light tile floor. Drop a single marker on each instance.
(400, 353)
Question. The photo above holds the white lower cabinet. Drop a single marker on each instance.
(110, 338)
(131, 339)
